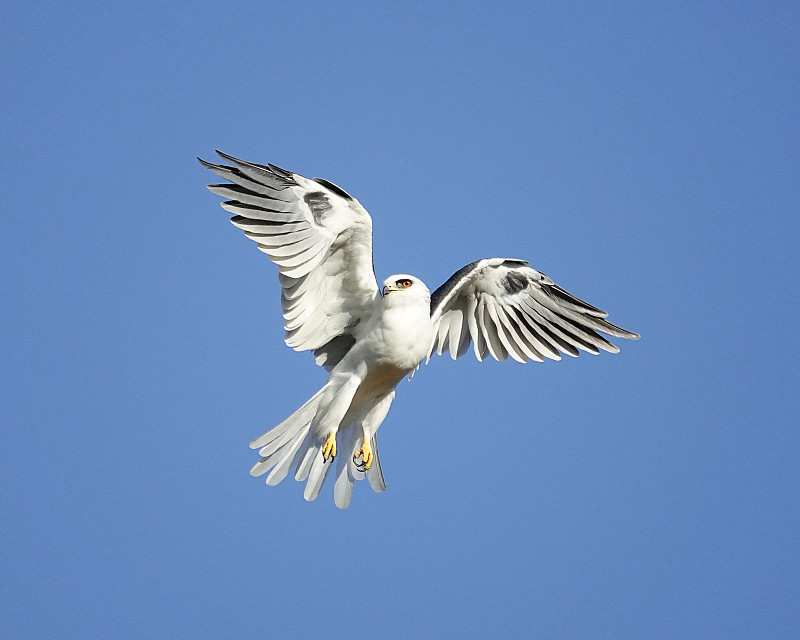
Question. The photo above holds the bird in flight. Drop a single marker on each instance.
(369, 337)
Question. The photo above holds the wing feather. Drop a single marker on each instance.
(261, 213)
(268, 227)
(456, 331)
(533, 336)
(240, 180)
(289, 244)
(509, 344)
(496, 347)
(284, 234)
(515, 332)
(321, 240)
(478, 341)
(582, 337)
(238, 193)
(514, 310)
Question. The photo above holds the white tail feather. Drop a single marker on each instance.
(343, 489)
(317, 475)
(375, 473)
(304, 466)
(292, 424)
(282, 467)
(293, 443)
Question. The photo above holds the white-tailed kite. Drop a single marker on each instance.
(368, 337)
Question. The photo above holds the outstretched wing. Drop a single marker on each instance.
(506, 308)
(321, 239)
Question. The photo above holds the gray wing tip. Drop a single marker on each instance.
(283, 173)
(251, 170)
(206, 164)
(238, 161)
(618, 332)
(225, 156)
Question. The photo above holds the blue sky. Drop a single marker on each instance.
(643, 155)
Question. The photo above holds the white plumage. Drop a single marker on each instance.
(369, 339)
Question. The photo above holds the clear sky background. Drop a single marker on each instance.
(643, 155)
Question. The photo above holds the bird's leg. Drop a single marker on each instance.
(329, 448)
(365, 453)
(369, 425)
(338, 395)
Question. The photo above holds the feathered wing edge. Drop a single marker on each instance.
(505, 308)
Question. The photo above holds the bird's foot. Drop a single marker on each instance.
(329, 448)
(365, 453)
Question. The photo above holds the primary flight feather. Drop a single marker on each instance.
(368, 337)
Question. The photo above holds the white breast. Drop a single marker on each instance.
(401, 335)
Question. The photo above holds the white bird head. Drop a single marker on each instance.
(404, 286)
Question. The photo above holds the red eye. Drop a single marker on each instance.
(404, 283)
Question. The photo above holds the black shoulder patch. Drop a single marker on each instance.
(514, 282)
(318, 203)
(337, 190)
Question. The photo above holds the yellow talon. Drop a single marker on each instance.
(365, 453)
(329, 448)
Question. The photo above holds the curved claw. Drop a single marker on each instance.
(365, 453)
